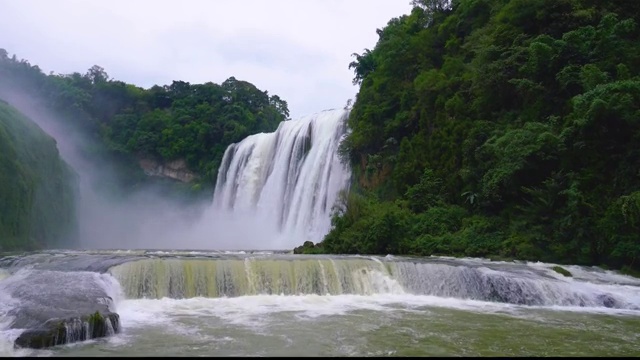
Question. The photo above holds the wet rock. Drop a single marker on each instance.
(562, 271)
(100, 263)
(607, 300)
(308, 248)
(55, 307)
(64, 331)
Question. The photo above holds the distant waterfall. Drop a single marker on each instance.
(285, 183)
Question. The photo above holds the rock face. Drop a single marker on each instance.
(56, 307)
(176, 170)
(64, 331)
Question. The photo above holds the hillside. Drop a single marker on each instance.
(174, 135)
(497, 128)
(37, 188)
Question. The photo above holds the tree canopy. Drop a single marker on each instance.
(499, 128)
(194, 122)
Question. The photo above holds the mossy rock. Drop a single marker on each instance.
(308, 248)
(562, 271)
(501, 258)
(626, 270)
(64, 331)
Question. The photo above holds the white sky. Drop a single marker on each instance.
(297, 49)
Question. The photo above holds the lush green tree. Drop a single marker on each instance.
(123, 122)
(37, 188)
(506, 128)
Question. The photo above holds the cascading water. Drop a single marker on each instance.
(204, 303)
(511, 284)
(285, 183)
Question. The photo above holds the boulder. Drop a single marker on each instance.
(56, 307)
(309, 248)
(64, 331)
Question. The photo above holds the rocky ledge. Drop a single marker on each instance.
(65, 331)
(56, 307)
(176, 169)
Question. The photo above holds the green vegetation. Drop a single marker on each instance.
(117, 125)
(37, 188)
(562, 271)
(493, 128)
(308, 248)
(498, 128)
(124, 123)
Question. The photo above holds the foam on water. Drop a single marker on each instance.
(515, 283)
(4, 274)
(590, 274)
(192, 319)
(8, 335)
(255, 311)
(388, 285)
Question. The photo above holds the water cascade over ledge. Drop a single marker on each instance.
(335, 275)
(62, 297)
(283, 184)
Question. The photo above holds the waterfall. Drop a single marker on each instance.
(177, 278)
(230, 277)
(284, 183)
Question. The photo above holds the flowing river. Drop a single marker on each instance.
(193, 303)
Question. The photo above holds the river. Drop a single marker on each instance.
(276, 304)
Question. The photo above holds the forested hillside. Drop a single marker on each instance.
(498, 128)
(124, 124)
(37, 188)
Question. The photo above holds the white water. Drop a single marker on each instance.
(7, 335)
(148, 324)
(281, 187)
(4, 274)
(383, 293)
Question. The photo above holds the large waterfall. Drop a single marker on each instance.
(282, 186)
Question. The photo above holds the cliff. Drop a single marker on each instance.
(37, 188)
(175, 170)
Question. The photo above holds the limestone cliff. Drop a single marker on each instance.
(176, 169)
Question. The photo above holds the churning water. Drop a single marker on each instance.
(266, 304)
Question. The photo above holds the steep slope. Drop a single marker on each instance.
(37, 188)
(498, 128)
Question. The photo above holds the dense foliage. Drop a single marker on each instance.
(37, 188)
(498, 128)
(124, 123)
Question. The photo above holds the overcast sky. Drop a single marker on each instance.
(297, 49)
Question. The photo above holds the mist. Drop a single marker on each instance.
(145, 219)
